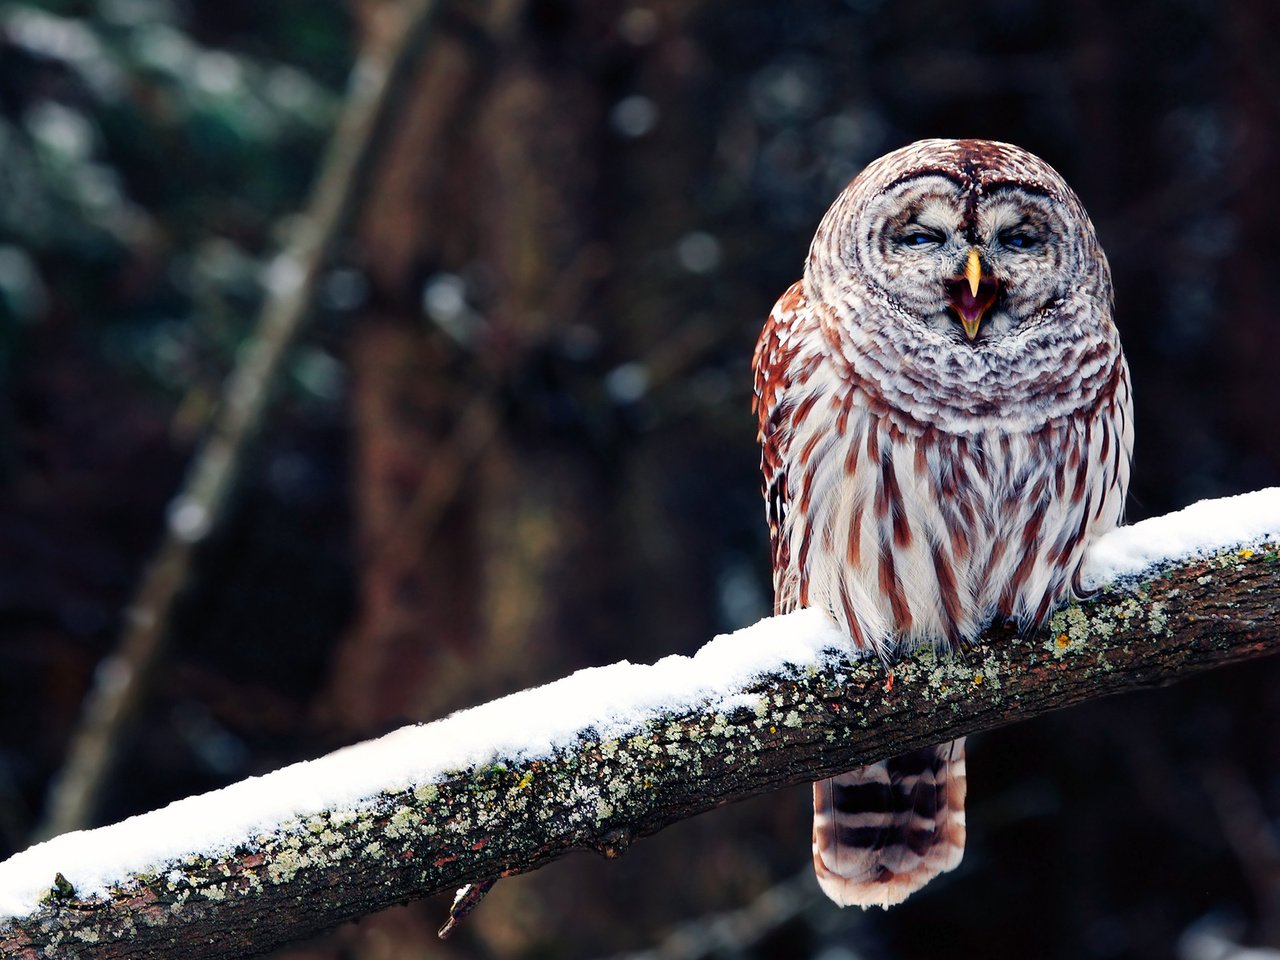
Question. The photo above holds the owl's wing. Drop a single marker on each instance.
(1106, 470)
(773, 402)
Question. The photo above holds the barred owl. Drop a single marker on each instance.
(946, 423)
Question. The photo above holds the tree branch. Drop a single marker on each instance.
(309, 872)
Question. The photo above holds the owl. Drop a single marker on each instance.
(946, 423)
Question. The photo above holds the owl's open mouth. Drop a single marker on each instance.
(971, 307)
(972, 295)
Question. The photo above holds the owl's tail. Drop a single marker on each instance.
(883, 831)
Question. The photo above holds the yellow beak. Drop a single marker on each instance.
(971, 294)
(973, 273)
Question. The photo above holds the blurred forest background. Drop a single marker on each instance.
(513, 438)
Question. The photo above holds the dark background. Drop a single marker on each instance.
(515, 437)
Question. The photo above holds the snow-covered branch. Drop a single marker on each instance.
(611, 754)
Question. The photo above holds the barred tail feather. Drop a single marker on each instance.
(883, 831)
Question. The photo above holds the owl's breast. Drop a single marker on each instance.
(911, 533)
(922, 379)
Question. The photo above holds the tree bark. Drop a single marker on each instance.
(482, 824)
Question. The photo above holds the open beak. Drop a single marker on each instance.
(972, 294)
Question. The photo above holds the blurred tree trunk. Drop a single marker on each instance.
(472, 519)
(488, 449)
(1248, 318)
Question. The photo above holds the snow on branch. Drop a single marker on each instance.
(614, 753)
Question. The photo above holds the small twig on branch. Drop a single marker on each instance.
(377, 83)
(802, 719)
(464, 901)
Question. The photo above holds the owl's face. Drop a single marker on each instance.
(967, 243)
(970, 270)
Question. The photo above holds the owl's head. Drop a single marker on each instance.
(961, 241)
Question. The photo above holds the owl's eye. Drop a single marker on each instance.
(919, 238)
(1018, 240)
